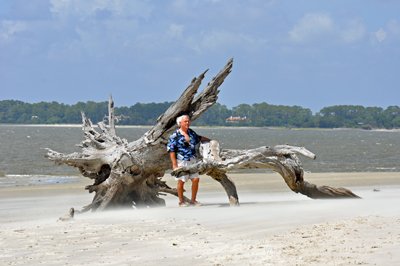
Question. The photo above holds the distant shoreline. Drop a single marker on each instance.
(212, 127)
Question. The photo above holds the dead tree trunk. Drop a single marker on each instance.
(282, 159)
(129, 174)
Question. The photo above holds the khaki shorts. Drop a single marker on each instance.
(186, 178)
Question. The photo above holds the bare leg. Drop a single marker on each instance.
(179, 187)
(195, 188)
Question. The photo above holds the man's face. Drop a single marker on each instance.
(184, 123)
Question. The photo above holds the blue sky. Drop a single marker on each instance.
(312, 53)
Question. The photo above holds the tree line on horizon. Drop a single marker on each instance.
(257, 115)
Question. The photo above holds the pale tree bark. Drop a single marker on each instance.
(129, 174)
(282, 159)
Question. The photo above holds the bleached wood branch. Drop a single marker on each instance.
(281, 159)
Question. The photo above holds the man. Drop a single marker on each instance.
(181, 148)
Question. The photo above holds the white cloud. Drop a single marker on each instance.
(90, 42)
(97, 27)
(311, 26)
(176, 30)
(84, 9)
(354, 31)
(380, 35)
(393, 27)
(67, 51)
(181, 6)
(222, 40)
(215, 39)
(320, 26)
(10, 28)
(389, 33)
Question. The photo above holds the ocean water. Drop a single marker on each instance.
(22, 149)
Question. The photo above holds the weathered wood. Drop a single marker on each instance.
(67, 217)
(129, 174)
(281, 159)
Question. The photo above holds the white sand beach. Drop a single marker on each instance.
(273, 226)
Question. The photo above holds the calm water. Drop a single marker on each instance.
(22, 149)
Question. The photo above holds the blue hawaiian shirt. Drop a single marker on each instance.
(178, 144)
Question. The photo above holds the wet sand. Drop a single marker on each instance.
(273, 226)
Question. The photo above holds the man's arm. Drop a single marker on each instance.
(205, 139)
(172, 154)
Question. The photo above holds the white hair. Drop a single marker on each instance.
(180, 118)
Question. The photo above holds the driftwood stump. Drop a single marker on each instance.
(129, 174)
